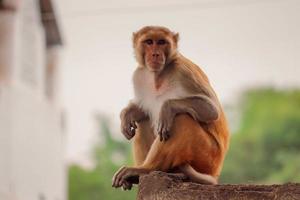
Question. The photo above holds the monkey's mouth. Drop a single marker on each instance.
(155, 66)
(156, 62)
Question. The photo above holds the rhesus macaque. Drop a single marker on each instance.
(175, 119)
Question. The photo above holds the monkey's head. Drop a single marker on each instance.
(155, 47)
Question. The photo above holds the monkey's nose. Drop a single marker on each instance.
(155, 55)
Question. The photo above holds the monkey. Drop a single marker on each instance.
(175, 118)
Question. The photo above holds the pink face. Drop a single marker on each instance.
(155, 53)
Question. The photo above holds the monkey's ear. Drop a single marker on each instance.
(176, 37)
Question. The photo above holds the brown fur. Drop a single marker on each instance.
(181, 149)
(193, 129)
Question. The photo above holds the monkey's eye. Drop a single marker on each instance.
(149, 42)
(161, 42)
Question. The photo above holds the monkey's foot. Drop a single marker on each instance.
(125, 177)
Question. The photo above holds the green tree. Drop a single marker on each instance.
(266, 148)
(95, 184)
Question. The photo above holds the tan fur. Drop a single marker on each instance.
(199, 135)
(189, 144)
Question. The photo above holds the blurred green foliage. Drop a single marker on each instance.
(95, 184)
(265, 149)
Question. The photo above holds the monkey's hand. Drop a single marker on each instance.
(166, 119)
(129, 117)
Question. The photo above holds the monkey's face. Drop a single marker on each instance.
(154, 47)
(155, 53)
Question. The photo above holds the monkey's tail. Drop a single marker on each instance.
(197, 177)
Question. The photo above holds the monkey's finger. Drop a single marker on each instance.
(124, 186)
(159, 131)
(165, 134)
(124, 130)
(125, 134)
(169, 126)
(134, 125)
(160, 136)
(160, 124)
(132, 132)
(119, 177)
(128, 129)
(124, 179)
(116, 176)
(128, 132)
(167, 129)
(129, 186)
(119, 181)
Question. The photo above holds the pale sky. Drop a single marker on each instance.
(238, 43)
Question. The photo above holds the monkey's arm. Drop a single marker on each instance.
(129, 116)
(200, 107)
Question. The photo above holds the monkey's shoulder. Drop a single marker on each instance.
(192, 77)
(190, 70)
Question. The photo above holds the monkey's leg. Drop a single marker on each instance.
(142, 141)
(189, 144)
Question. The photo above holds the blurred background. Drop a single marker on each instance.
(65, 74)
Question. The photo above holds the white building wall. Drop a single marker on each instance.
(37, 154)
(8, 34)
(31, 139)
(5, 145)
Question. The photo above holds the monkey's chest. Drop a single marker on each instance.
(151, 99)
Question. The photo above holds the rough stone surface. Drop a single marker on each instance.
(163, 186)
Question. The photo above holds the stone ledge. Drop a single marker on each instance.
(164, 186)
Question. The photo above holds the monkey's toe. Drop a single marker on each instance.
(127, 185)
(117, 178)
